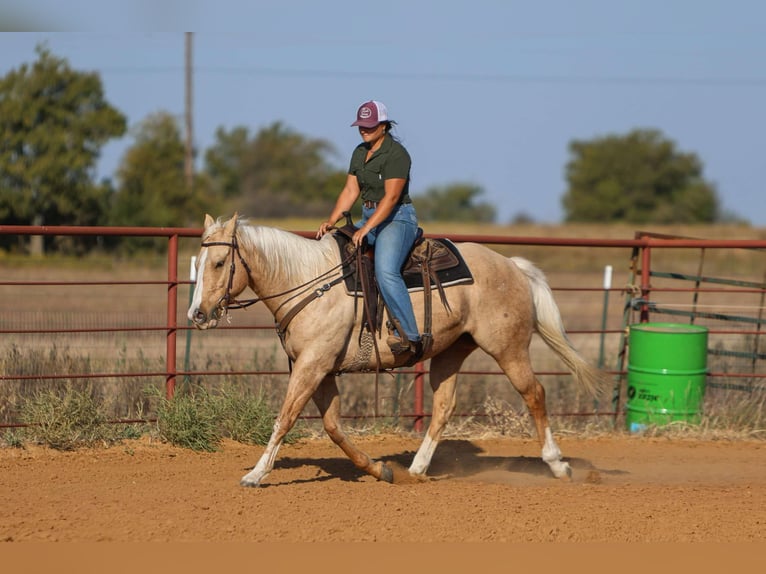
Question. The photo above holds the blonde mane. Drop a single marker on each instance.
(290, 256)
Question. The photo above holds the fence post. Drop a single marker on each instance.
(170, 365)
(604, 313)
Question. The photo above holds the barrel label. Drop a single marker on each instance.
(643, 394)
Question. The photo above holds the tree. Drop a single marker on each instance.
(151, 190)
(53, 123)
(224, 161)
(277, 173)
(637, 178)
(454, 202)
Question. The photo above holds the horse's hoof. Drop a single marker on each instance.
(248, 482)
(386, 474)
(562, 470)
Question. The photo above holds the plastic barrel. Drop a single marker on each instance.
(667, 367)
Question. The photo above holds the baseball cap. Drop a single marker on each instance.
(370, 114)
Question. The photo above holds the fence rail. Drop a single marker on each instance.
(644, 296)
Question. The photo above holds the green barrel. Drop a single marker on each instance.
(667, 367)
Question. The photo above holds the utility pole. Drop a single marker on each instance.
(189, 158)
(189, 173)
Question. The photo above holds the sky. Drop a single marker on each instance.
(489, 93)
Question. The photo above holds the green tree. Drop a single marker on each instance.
(454, 202)
(151, 187)
(276, 173)
(53, 122)
(224, 161)
(151, 190)
(638, 178)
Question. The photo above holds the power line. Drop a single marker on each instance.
(707, 81)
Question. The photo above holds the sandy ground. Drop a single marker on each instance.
(623, 489)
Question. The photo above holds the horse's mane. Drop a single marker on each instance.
(290, 256)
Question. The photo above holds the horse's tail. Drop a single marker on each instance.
(551, 328)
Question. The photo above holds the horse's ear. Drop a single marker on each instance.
(232, 223)
(208, 220)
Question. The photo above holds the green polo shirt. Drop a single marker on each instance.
(390, 161)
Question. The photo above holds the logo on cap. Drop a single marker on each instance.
(370, 114)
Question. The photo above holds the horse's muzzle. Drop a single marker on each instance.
(202, 321)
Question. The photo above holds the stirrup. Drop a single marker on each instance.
(413, 355)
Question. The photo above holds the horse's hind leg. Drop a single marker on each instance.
(327, 401)
(443, 378)
(519, 371)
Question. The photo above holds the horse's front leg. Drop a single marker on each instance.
(304, 381)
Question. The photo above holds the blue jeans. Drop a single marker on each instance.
(393, 241)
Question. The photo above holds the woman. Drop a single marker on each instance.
(380, 173)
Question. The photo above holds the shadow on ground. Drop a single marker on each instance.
(456, 459)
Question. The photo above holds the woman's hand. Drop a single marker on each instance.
(359, 236)
(324, 228)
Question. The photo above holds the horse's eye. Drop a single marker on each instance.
(219, 264)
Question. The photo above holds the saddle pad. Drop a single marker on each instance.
(456, 273)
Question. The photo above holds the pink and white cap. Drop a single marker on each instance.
(370, 114)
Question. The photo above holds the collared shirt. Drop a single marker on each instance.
(390, 161)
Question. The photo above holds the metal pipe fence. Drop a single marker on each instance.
(647, 291)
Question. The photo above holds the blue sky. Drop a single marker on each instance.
(489, 93)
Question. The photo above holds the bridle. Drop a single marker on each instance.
(225, 302)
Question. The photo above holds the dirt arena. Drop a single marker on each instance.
(623, 489)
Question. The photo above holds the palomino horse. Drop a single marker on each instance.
(507, 302)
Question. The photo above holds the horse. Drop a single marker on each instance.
(498, 312)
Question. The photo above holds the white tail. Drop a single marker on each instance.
(550, 327)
